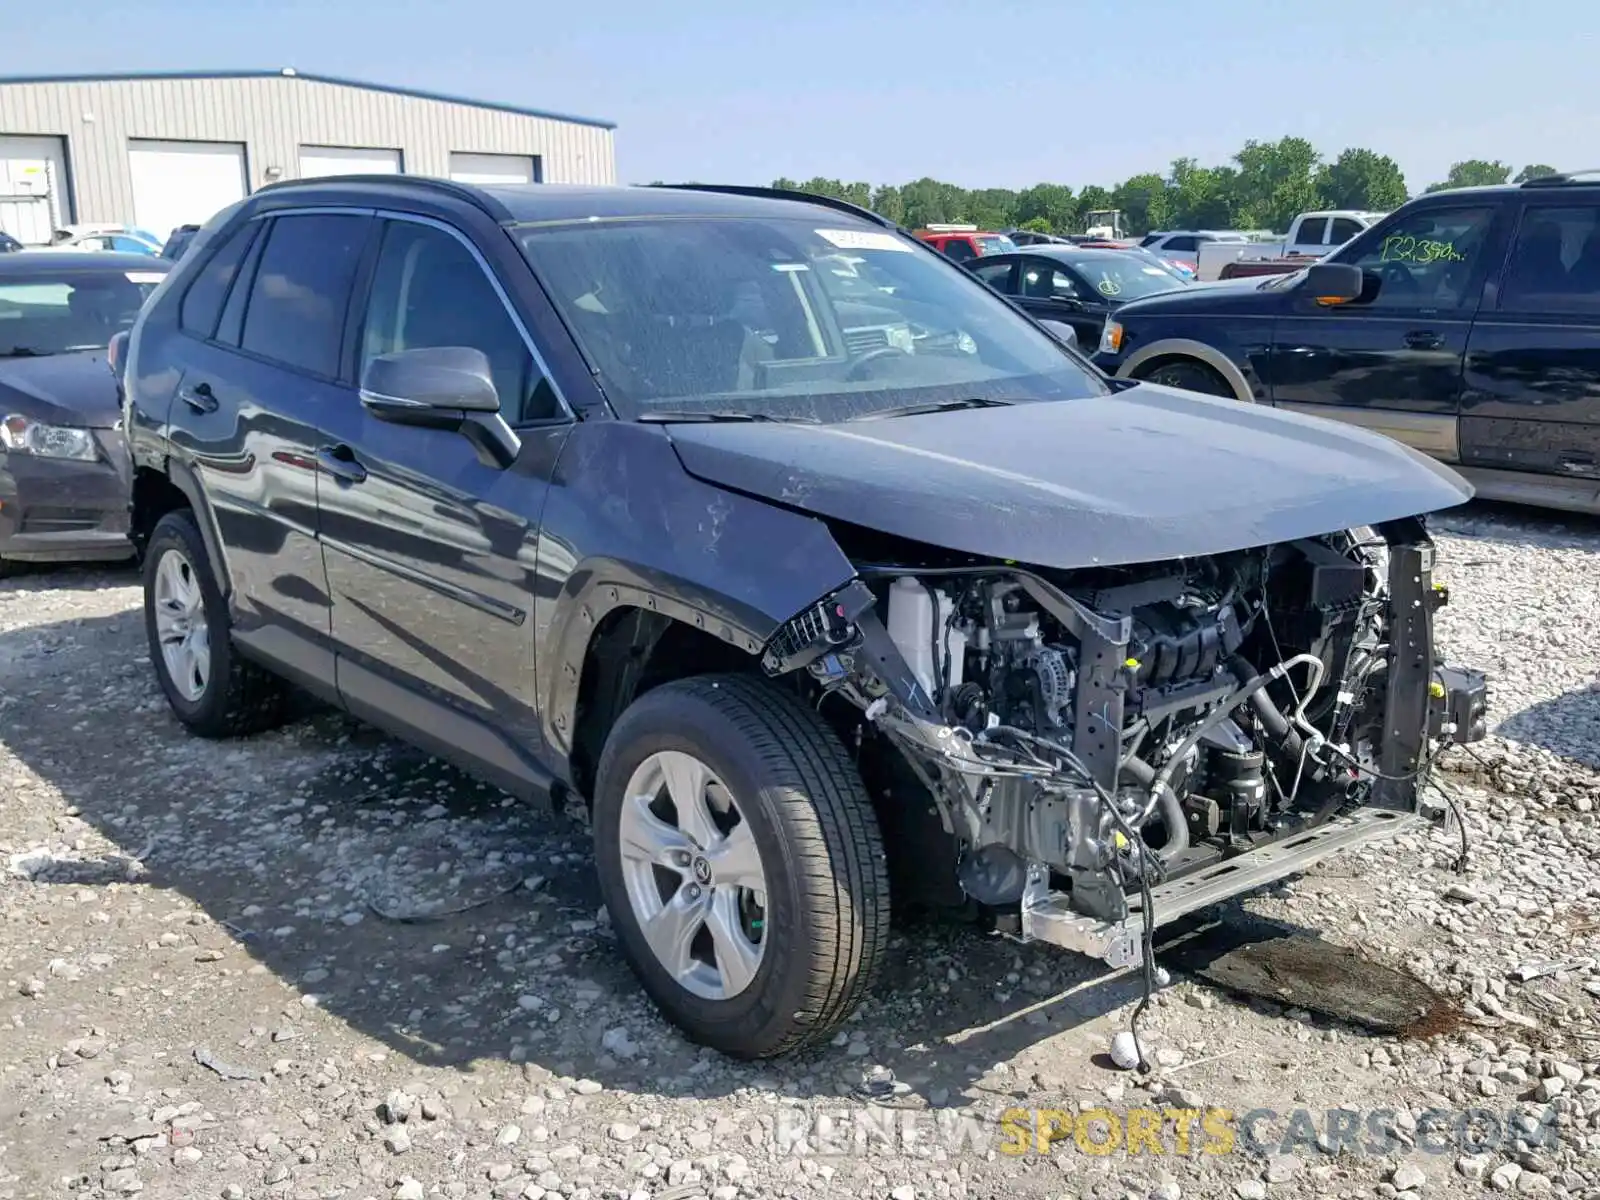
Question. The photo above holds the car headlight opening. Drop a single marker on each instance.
(24, 435)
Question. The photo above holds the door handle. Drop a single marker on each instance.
(199, 397)
(340, 462)
(1423, 339)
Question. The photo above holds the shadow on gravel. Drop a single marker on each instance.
(1568, 725)
(446, 921)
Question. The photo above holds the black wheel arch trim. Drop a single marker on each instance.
(183, 477)
(599, 588)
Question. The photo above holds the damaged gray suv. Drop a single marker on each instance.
(825, 599)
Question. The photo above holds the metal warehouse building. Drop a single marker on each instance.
(162, 150)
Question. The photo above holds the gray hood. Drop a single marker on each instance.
(75, 389)
(1143, 475)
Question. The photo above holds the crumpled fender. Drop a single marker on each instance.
(626, 526)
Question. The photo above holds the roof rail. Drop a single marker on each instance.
(1562, 177)
(449, 187)
(736, 189)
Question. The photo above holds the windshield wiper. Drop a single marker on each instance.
(935, 406)
(701, 415)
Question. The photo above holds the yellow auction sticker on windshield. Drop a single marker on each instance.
(863, 239)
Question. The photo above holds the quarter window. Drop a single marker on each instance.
(301, 290)
(429, 291)
(202, 303)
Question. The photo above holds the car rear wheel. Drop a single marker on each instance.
(1189, 376)
(741, 864)
(210, 687)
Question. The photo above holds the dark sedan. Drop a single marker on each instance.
(1075, 287)
(64, 474)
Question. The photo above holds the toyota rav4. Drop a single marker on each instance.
(588, 490)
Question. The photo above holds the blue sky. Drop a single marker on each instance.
(993, 93)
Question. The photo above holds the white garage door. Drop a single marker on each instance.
(183, 183)
(316, 161)
(33, 188)
(493, 168)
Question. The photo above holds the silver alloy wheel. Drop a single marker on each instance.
(181, 625)
(693, 875)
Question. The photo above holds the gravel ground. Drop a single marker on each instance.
(318, 964)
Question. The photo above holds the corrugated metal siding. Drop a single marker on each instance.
(274, 116)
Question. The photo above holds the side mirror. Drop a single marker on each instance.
(424, 386)
(441, 387)
(1062, 332)
(1333, 283)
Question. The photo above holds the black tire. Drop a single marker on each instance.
(827, 902)
(239, 697)
(1189, 375)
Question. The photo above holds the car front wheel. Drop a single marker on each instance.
(210, 687)
(741, 863)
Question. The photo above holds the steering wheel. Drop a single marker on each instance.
(1396, 278)
(854, 373)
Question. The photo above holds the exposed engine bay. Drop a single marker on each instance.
(1107, 743)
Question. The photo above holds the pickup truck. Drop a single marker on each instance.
(1475, 338)
(1310, 236)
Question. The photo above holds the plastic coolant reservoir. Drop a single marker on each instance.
(918, 618)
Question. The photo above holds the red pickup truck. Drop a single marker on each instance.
(963, 242)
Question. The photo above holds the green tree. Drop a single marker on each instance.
(1144, 202)
(992, 208)
(1051, 203)
(1363, 179)
(928, 202)
(1475, 172)
(1036, 225)
(1276, 181)
(1534, 171)
(1201, 197)
(887, 202)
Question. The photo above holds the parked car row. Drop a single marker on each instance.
(120, 239)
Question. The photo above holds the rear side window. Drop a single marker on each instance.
(1555, 265)
(1313, 232)
(996, 275)
(1182, 245)
(1343, 230)
(301, 290)
(202, 303)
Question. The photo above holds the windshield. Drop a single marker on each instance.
(1121, 275)
(58, 312)
(997, 243)
(813, 318)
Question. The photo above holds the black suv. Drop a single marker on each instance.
(1475, 337)
(592, 491)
